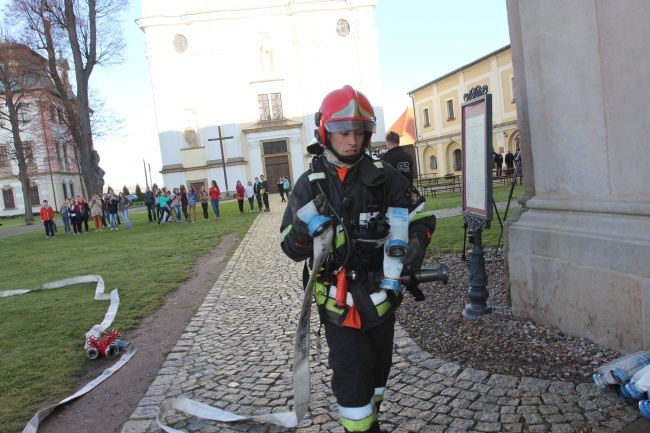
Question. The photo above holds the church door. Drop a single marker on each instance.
(276, 162)
(276, 166)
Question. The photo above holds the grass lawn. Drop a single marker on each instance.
(42, 333)
(8, 223)
(449, 233)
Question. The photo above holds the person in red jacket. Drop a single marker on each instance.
(47, 216)
(215, 195)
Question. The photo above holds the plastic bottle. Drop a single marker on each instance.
(619, 371)
(638, 385)
(396, 247)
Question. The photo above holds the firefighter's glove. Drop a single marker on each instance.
(299, 229)
(415, 254)
(320, 201)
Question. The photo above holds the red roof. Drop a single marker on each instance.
(404, 126)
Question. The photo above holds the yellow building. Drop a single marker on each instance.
(437, 112)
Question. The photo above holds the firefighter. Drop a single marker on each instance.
(354, 192)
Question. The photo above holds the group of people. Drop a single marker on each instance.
(168, 205)
(163, 203)
(102, 209)
(513, 161)
(257, 190)
(283, 187)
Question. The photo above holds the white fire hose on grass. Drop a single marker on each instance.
(95, 332)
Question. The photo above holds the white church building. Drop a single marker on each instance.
(253, 72)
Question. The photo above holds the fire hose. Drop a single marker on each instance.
(92, 335)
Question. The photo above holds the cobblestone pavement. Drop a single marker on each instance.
(236, 354)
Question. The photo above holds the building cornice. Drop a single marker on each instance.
(179, 168)
(273, 125)
(247, 9)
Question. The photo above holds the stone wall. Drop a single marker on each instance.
(578, 250)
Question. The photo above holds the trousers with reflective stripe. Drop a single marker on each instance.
(361, 361)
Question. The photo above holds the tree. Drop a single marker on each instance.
(138, 191)
(23, 83)
(154, 186)
(88, 31)
(125, 190)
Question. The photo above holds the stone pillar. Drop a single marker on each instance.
(578, 251)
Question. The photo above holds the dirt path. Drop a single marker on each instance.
(107, 407)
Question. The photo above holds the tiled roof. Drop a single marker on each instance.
(404, 126)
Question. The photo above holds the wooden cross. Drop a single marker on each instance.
(223, 156)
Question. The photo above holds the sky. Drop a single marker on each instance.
(418, 41)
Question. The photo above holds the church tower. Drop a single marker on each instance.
(236, 83)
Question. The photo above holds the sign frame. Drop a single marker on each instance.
(476, 115)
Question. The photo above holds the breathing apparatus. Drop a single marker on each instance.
(620, 371)
(397, 247)
(316, 223)
(373, 230)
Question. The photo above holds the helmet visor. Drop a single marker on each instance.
(350, 125)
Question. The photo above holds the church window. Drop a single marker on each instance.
(276, 106)
(342, 28)
(180, 43)
(65, 190)
(35, 200)
(59, 115)
(271, 147)
(28, 152)
(8, 198)
(4, 156)
(23, 113)
(270, 107)
(433, 163)
(263, 105)
(458, 163)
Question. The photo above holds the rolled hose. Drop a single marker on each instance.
(644, 408)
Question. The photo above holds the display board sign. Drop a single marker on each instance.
(477, 155)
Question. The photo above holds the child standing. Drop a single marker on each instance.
(47, 216)
(65, 217)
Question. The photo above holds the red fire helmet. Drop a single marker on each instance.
(345, 109)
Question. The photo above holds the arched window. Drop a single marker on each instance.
(458, 161)
(433, 163)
